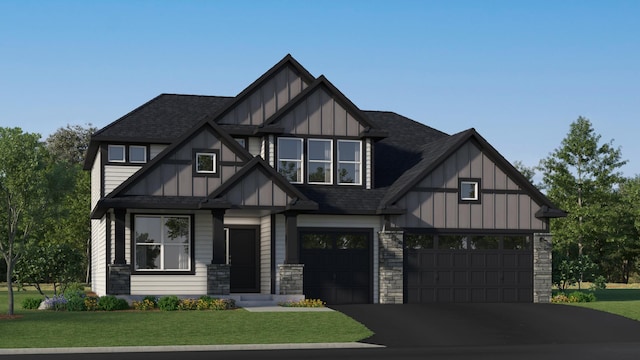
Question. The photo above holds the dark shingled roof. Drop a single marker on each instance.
(343, 199)
(162, 119)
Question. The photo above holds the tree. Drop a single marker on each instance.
(581, 177)
(528, 172)
(22, 188)
(70, 144)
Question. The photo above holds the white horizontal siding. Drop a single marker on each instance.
(265, 255)
(114, 175)
(96, 181)
(98, 256)
(280, 247)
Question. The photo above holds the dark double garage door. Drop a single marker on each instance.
(463, 268)
(337, 265)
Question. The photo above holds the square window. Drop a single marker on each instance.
(469, 190)
(116, 153)
(206, 163)
(137, 154)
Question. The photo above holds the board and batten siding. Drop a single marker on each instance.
(266, 100)
(174, 176)
(155, 149)
(434, 202)
(333, 222)
(320, 114)
(114, 175)
(98, 256)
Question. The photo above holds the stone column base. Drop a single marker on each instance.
(119, 279)
(291, 279)
(391, 268)
(542, 268)
(218, 279)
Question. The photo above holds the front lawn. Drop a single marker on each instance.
(620, 300)
(138, 328)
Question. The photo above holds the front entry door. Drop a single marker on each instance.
(243, 258)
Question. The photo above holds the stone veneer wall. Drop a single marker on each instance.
(542, 268)
(119, 279)
(291, 279)
(218, 279)
(391, 267)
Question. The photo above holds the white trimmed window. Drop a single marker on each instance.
(163, 243)
(469, 190)
(206, 163)
(319, 161)
(290, 159)
(116, 153)
(350, 162)
(137, 154)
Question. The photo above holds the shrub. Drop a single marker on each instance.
(31, 303)
(145, 304)
(310, 303)
(91, 303)
(75, 302)
(222, 304)
(188, 304)
(112, 303)
(168, 303)
(57, 303)
(599, 283)
(580, 296)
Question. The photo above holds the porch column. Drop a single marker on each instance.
(119, 282)
(290, 273)
(542, 267)
(391, 267)
(291, 239)
(218, 272)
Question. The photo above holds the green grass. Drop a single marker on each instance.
(128, 328)
(619, 300)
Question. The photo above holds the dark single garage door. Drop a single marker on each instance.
(337, 265)
(468, 268)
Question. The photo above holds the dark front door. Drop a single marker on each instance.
(243, 258)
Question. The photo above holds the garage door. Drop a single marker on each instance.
(337, 266)
(464, 268)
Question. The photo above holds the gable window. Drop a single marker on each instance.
(469, 189)
(116, 153)
(163, 242)
(290, 159)
(137, 154)
(349, 162)
(206, 162)
(319, 163)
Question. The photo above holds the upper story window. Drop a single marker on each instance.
(469, 189)
(320, 161)
(290, 159)
(350, 162)
(206, 163)
(116, 153)
(137, 154)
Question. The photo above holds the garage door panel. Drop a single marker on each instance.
(460, 277)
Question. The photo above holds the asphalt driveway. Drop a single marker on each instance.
(453, 325)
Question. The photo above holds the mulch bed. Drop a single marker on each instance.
(10, 317)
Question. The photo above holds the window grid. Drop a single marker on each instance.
(356, 163)
(323, 174)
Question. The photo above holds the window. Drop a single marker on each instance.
(206, 163)
(469, 190)
(319, 165)
(137, 154)
(162, 242)
(290, 159)
(241, 141)
(349, 162)
(116, 153)
(418, 241)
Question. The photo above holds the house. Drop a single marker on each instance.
(289, 189)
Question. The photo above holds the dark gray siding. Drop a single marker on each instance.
(174, 175)
(263, 102)
(320, 114)
(256, 189)
(433, 203)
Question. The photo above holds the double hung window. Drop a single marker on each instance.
(162, 242)
(320, 155)
(349, 162)
(290, 159)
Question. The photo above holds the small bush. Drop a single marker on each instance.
(31, 303)
(580, 296)
(145, 304)
(310, 303)
(188, 304)
(599, 283)
(91, 303)
(57, 303)
(112, 303)
(75, 302)
(222, 304)
(168, 303)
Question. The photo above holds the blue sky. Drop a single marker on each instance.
(518, 71)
